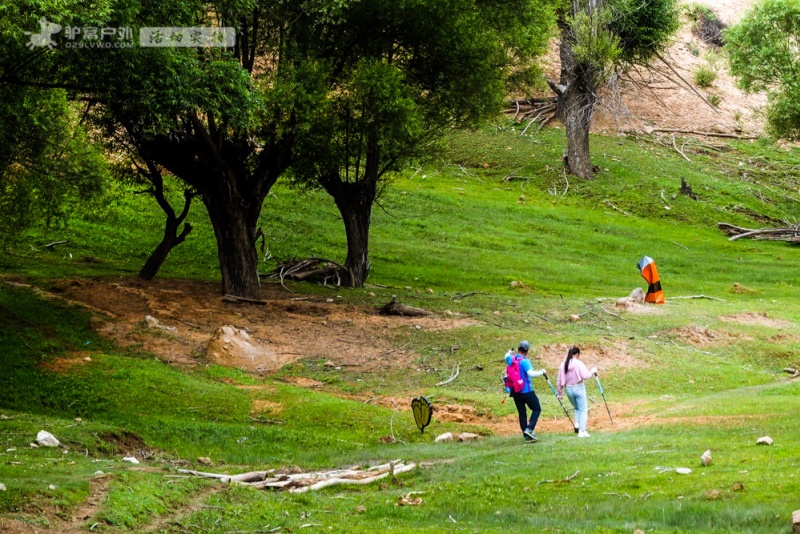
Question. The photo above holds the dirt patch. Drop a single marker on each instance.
(267, 406)
(127, 443)
(456, 413)
(699, 336)
(286, 328)
(614, 354)
(632, 306)
(303, 382)
(62, 365)
(81, 517)
(759, 319)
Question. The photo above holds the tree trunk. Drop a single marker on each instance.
(234, 219)
(354, 201)
(578, 110)
(170, 240)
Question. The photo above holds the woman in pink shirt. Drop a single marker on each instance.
(571, 374)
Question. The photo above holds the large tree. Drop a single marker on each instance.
(398, 76)
(764, 51)
(597, 38)
(48, 165)
(221, 120)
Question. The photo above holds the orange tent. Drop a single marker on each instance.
(648, 268)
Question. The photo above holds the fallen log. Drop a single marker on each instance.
(395, 308)
(790, 234)
(303, 482)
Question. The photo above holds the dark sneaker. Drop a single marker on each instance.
(529, 435)
(577, 429)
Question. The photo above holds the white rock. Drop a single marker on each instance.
(468, 436)
(705, 459)
(795, 522)
(447, 436)
(2, 487)
(764, 440)
(33, 446)
(130, 459)
(574, 318)
(637, 294)
(51, 487)
(683, 470)
(46, 439)
(98, 472)
(151, 321)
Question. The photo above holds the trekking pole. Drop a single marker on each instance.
(559, 400)
(599, 385)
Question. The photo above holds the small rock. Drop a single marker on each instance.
(764, 440)
(448, 313)
(574, 318)
(46, 439)
(130, 459)
(795, 520)
(203, 460)
(329, 364)
(371, 294)
(496, 312)
(468, 436)
(51, 487)
(418, 327)
(705, 459)
(151, 321)
(638, 531)
(737, 486)
(2, 487)
(637, 294)
(328, 300)
(87, 359)
(428, 290)
(408, 288)
(98, 473)
(78, 420)
(447, 436)
(683, 470)
(33, 446)
(360, 509)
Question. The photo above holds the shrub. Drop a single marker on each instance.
(714, 100)
(705, 76)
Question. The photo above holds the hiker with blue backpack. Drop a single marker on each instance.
(519, 373)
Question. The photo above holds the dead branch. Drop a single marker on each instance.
(704, 134)
(395, 308)
(320, 270)
(689, 85)
(560, 481)
(790, 234)
(235, 299)
(678, 150)
(452, 376)
(794, 372)
(54, 244)
(698, 297)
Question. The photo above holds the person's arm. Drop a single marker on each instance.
(528, 368)
(561, 380)
(585, 372)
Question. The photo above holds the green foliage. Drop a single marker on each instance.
(704, 75)
(48, 167)
(593, 44)
(643, 28)
(763, 55)
(714, 99)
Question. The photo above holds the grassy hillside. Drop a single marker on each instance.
(492, 208)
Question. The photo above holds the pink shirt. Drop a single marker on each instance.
(577, 373)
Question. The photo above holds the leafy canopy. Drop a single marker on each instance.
(764, 51)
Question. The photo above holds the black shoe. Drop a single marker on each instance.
(529, 435)
(577, 430)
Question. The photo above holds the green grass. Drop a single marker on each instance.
(456, 226)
